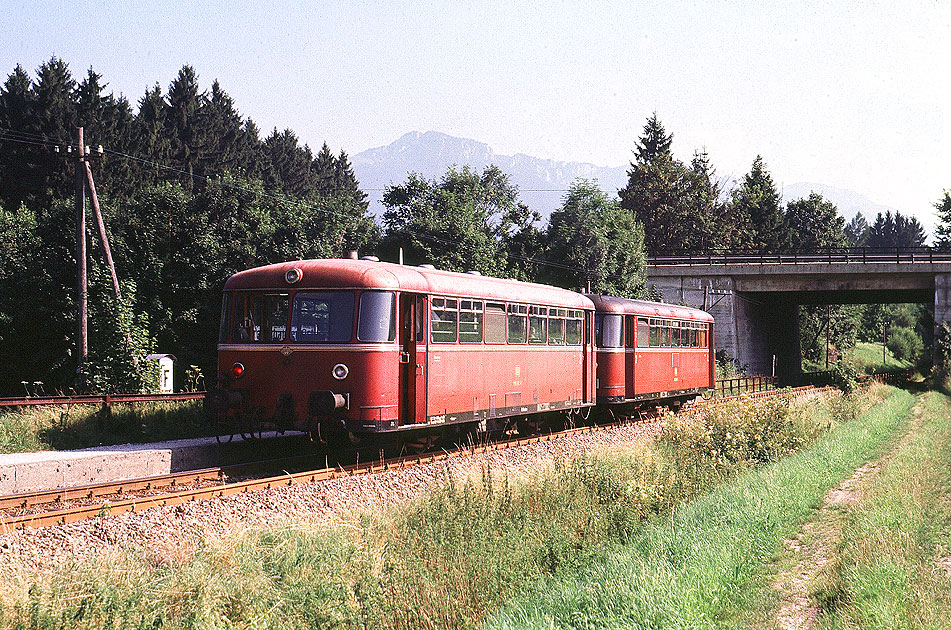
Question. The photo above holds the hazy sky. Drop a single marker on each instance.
(849, 94)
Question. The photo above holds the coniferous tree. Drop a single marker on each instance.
(757, 201)
(710, 226)
(655, 191)
(16, 109)
(856, 231)
(896, 231)
(151, 139)
(184, 125)
(943, 229)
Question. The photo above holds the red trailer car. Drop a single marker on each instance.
(377, 347)
(649, 351)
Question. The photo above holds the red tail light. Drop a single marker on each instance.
(237, 370)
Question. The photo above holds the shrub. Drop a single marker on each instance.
(905, 343)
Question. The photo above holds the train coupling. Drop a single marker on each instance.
(324, 403)
(219, 401)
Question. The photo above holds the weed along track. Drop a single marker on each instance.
(181, 518)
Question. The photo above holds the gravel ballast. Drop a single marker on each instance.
(163, 533)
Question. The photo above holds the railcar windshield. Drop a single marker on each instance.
(322, 316)
(259, 317)
(377, 322)
(608, 331)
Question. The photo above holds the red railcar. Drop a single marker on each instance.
(377, 347)
(650, 351)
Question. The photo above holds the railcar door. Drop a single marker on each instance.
(630, 356)
(412, 358)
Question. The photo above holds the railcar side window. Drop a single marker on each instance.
(470, 321)
(320, 317)
(574, 328)
(556, 326)
(376, 321)
(494, 323)
(608, 331)
(538, 324)
(518, 323)
(226, 302)
(443, 316)
(643, 333)
(675, 334)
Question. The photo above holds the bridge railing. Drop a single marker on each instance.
(829, 255)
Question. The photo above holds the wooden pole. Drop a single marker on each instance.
(82, 288)
(103, 237)
(828, 327)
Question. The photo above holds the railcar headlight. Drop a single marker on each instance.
(340, 371)
(237, 369)
(293, 275)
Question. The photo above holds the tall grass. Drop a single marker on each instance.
(703, 567)
(447, 560)
(887, 574)
(81, 426)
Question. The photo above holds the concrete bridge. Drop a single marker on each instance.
(755, 299)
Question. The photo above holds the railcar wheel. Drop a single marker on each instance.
(419, 444)
(529, 425)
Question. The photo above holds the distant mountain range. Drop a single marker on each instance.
(542, 183)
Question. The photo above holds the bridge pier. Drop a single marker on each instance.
(760, 331)
(942, 300)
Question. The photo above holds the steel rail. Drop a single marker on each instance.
(143, 484)
(70, 515)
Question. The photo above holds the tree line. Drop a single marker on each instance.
(192, 193)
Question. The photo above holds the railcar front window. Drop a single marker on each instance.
(322, 317)
(376, 321)
(260, 318)
(608, 331)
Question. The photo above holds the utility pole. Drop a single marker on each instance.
(82, 287)
(84, 179)
(828, 326)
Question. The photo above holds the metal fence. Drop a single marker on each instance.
(105, 401)
(743, 385)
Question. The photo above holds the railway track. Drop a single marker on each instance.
(19, 511)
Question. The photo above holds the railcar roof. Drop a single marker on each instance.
(364, 274)
(611, 304)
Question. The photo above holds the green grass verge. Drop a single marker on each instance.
(867, 357)
(703, 567)
(82, 426)
(893, 565)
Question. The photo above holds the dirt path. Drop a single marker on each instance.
(813, 549)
